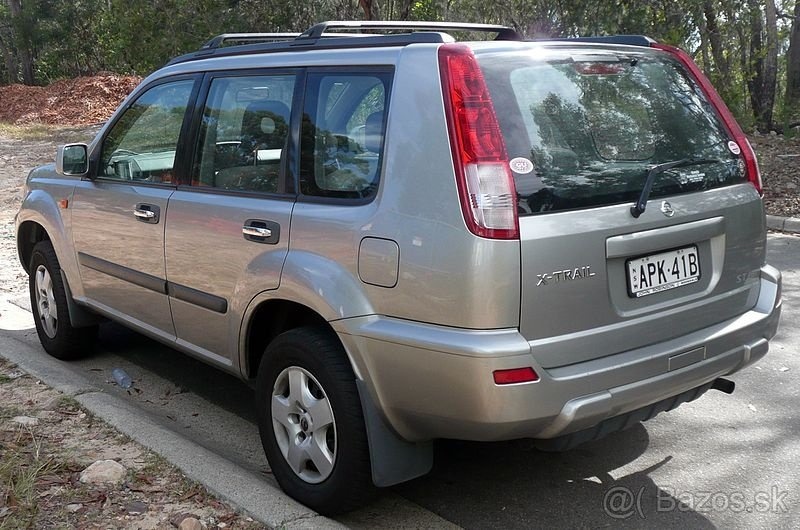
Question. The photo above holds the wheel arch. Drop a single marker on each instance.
(266, 318)
(393, 459)
(39, 219)
(29, 234)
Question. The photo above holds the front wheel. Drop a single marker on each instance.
(311, 423)
(49, 306)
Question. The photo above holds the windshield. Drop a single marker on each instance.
(583, 129)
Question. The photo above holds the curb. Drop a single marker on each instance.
(225, 479)
(783, 224)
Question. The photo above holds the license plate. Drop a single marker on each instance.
(664, 271)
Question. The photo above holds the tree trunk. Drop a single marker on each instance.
(370, 8)
(10, 62)
(24, 53)
(721, 64)
(792, 98)
(405, 9)
(770, 64)
(755, 82)
(701, 25)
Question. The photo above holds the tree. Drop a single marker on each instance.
(370, 8)
(23, 33)
(763, 62)
(792, 97)
(770, 66)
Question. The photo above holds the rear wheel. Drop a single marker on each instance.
(311, 423)
(49, 307)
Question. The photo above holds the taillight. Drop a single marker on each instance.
(736, 132)
(484, 178)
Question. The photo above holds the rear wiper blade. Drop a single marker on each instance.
(638, 208)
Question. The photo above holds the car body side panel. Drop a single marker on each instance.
(121, 259)
(206, 252)
(446, 275)
(40, 206)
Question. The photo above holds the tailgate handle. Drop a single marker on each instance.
(660, 238)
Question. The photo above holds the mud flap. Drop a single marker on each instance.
(78, 316)
(394, 460)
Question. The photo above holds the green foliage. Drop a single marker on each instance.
(61, 38)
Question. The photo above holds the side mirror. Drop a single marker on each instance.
(72, 159)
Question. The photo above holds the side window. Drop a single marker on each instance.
(344, 121)
(141, 145)
(244, 133)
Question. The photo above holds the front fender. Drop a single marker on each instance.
(41, 207)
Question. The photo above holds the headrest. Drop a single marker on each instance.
(373, 132)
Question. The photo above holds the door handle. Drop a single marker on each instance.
(256, 231)
(146, 213)
(261, 231)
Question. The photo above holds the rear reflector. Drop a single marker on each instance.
(736, 132)
(485, 182)
(515, 375)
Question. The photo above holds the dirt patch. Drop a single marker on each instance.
(79, 101)
(47, 440)
(22, 149)
(779, 158)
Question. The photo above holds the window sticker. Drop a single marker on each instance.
(520, 165)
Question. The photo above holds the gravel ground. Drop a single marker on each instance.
(50, 451)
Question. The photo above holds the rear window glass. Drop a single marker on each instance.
(583, 130)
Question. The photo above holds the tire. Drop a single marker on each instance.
(310, 364)
(49, 307)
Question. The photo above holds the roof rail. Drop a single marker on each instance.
(247, 38)
(326, 43)
(316, 31)
(319, 37)
(630, 40)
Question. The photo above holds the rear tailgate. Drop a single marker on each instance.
(576, 300)
(584, 125)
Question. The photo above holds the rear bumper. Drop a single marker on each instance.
(435, 382)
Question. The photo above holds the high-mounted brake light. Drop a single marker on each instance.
(484, 178)
(736, 132)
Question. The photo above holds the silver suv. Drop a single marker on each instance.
(399, 237)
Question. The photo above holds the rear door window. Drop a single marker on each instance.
(585, 128)
(344, 122)
(244, 133)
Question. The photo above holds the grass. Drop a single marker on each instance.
(42, 131)
(7, 412)
(34, 131)
(21, 466)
